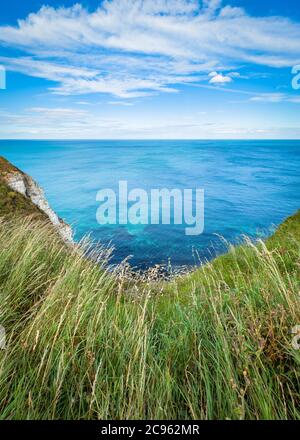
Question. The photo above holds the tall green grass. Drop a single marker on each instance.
(86, 344)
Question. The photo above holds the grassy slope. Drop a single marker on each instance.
(82, 344)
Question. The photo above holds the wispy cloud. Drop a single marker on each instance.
(122, 103)
(58, 123)
(70, 123)
(133, 48)
(275, 98)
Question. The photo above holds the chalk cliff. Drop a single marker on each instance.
(31, 193)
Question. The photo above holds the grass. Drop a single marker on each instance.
(85, 344)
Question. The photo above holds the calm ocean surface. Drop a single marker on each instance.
(250, 187)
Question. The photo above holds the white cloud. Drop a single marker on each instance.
(231, 12)
(219, 78)
(133, 48)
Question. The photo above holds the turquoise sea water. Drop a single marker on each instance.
(250, 187)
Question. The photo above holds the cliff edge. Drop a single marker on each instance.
(19, 193)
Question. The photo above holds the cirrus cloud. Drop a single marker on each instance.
(134, 48)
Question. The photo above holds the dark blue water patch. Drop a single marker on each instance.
(250, 186)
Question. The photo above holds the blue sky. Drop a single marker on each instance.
(142, 69)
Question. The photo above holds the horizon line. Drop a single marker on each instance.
(147, 139)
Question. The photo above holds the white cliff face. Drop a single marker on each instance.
(17, 183)
(26, 186)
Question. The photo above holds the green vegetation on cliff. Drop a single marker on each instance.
(11, 202)
(85, 344)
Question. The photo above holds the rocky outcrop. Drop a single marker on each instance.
(27, 187)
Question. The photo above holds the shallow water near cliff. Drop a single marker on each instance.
(250, 187)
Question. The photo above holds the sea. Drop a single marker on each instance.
(249, 187)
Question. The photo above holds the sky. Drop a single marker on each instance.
(150, 69)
